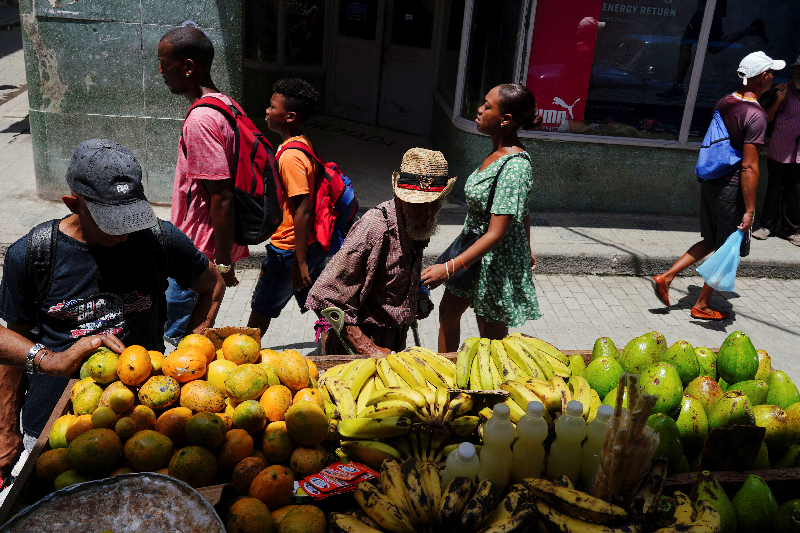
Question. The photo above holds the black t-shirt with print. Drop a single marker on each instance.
(95, 289)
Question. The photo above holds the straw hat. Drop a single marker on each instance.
(423, 177)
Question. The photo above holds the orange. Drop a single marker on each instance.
(304, 519)
(274, 486)
(172, 423)
(308, 460)
(226, 419)
(94, 451)
(306, 423)
(147, 450)
(198, 342)
(121, 470)
(193, 465)
(312, 368)
(280, 512)
(120, 400)
(79, 426)
(311, 395)
(237, 445)
(156, 360)
(53, 463)
(244, 473)
(249, 515)
(104, 417)
(241, 349)
(205, 429)
(125, 427)
(293, 370)
(159, 392)
(249, 416)
(185, 365)
(270, 357)
(134, 365)
(276, 400)
(276, 443)
(144, 417)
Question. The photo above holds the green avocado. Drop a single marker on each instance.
(707, 360)
(604, 347)
(731, 409)
(754, 505)
(639, 354)
(681, 356)
(692, 424)
(762, 459)
(705, 389)
(764, 365)
(669, 440)
(661, 342)
(603, 374)
(663, 380)
(755, 390)
(773, 418)
(737, 359)
(707, 487)
(787, 519)
(782, 391)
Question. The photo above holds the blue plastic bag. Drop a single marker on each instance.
(719, 270)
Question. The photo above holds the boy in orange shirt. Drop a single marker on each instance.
(294, 259)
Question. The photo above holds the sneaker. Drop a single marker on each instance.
(672, 92)
(794, 239)
(761, 233)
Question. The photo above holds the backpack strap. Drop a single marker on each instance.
(40, 252)
(303, 147)
(231, 112)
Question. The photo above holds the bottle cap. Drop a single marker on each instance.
(466, 451)
(604, 412)
(501, 411)
(535, 409)
(575, 408)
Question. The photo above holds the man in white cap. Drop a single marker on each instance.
(100, 271)
(728, 203)
(374, 278)
(782, 202)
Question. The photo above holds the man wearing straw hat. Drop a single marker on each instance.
(375, 277)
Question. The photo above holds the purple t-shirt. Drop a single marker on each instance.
(746, 122)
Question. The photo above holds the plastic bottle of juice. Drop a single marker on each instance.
(496, 455)
(566, 452)
(595, 433)
(528, 452)
(462, 462)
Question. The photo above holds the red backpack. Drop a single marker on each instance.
(257, 190)
(335, 200)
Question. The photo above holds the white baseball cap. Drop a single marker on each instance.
(756, 63)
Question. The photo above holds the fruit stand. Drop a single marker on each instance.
(265, 420)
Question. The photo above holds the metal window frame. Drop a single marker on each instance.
(522, 58)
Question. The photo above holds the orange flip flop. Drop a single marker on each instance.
(709, 314)
(661, 289)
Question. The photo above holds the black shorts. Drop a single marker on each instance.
(721, 212)
(692, 32)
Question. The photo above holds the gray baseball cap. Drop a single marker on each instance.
(109, 178)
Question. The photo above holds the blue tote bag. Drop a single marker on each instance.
(719, 270)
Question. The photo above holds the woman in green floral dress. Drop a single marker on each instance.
(503, 294)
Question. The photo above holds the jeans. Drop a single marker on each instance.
(180, 304)
(274, 287)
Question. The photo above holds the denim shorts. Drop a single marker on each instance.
(274, 286)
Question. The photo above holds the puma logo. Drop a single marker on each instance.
(559, 102)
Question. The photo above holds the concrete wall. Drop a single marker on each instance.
(93, 72)
(582, 176)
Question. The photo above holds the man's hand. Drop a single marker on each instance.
(747, 222)
(66, 363)
(362, 344)
(780, 91)
(229, 277)
(300, 275)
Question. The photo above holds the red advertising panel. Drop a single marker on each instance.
(562, 48)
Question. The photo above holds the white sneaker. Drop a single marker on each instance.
(761, 234)
(794, 239)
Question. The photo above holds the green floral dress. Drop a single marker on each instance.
(503, 290)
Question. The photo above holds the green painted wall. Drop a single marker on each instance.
(581, 176)
(92, 72)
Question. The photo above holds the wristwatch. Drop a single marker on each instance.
(223, 269)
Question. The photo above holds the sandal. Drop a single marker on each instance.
(709, 314)
(661, 289)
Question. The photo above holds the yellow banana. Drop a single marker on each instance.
(537, 358)
(464, 360)
(485, 414)
(559, 521)
(342, 396)
(386, 373)
(408, 373)
(379, 385)
(501, 361)
(485, 365)
(360, 375)
(331, 411)
(708, 519)
(497, 377)
(543, 346)
(480, 505)
(684, 510)
(458, 406)
(335, 370)
(454, 498)
(515, 410)
(442, 365)
(343, 523)
(475, 373)
(575, 503)
(370, 452)
(442, 400)
(562, 390)
(323, 389)
(380, 509)
(347, 372)
(417, 497)
(387, 409)
(545, 351)
(429, 475)
(594, 404)
(374, 428)
(513, 514)
(521, 394)
(581, 391)
(464, 425)
(364, 394)
(396, 393)
(393, 486)
(545, 391)
(427, 372)
(521, 358)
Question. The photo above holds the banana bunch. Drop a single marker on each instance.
(410, 498)
(483, 364)
(705, 519)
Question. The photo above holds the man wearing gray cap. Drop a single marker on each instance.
(728, 202)
(782, 202)
(101, 270)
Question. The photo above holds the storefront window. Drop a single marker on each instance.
(412, 22)
(358, 19)
(737, 29)
(493, 45)
(261, 30)
(450, 47)
(305, 32)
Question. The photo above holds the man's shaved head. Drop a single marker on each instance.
(190, 43)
